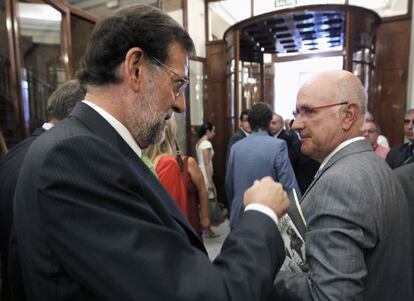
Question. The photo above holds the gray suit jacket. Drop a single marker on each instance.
(253, 158)
(357, 239)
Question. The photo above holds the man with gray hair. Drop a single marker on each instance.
(59, 104)
(94, 223)
(357, 237)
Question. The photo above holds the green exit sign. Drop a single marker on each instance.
(279, 3)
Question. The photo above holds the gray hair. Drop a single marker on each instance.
(62, 101)
(409, 111)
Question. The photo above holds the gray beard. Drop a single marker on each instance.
(144, 121)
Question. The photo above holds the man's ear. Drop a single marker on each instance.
(134, 62)
(350, 115)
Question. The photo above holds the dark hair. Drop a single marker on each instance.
(244, 113)
(62, 101)
(141, 26)
(202, 130)
(260, 116)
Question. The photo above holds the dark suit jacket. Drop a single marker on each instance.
(397, 155)
(405, 174)
(93, 223)
(304, 166)
(9, 171)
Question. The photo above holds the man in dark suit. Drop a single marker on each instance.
(304, 166)
(405, 174)
(93, 222)
(357, 241)
(243, 131)
(404, 153)
(60, 104)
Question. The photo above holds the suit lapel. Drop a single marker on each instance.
(98, 125)
(355, 147)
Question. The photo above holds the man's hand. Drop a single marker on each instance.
(268, 193)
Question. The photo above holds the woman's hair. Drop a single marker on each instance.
(167, 146)
(202, 130)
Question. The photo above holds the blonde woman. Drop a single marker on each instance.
(182, 178)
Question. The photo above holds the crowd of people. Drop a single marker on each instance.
(100, 204)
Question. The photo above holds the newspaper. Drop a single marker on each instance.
(295, 260)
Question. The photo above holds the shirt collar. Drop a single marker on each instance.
(246, 133)
(47, 126)
(278, 133)
(337, 149)
(118, 127)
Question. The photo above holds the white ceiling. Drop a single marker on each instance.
(234, 11)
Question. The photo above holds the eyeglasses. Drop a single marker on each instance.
(407, 121)
(179, 85)
(307, 111)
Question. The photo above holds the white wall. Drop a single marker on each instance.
(290, 76)
(196, 26)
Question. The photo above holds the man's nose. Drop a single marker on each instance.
(297, 124)
(179, 104)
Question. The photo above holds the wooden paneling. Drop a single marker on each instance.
(390, 83)
(216, 109)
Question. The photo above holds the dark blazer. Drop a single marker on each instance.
(356, 235)
(304, 166)
(405, 174)
(93, 223)
(237, 136)
(397, 155)
(9, 171)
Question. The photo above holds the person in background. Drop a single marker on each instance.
(205, 153)
(163, 158)
(59, 104)
(357, 237)
(381, 140)
(304, 166)
(182, 178)
(243, 131)
(404, 153)
(405, 175)
(255, 157)
(92, 222)
(371, 132)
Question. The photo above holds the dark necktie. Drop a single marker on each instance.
(410, 151)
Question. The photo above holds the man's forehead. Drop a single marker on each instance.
(409, 115)
(369, 124)
(309, 96)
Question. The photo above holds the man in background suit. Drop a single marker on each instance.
(304, 167)
(405, 174)
(255, 157)
(357, 240)
(243, 131)
(60, 103)
(404, 153)
(92, 221)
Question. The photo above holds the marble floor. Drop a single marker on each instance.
(213, 245)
